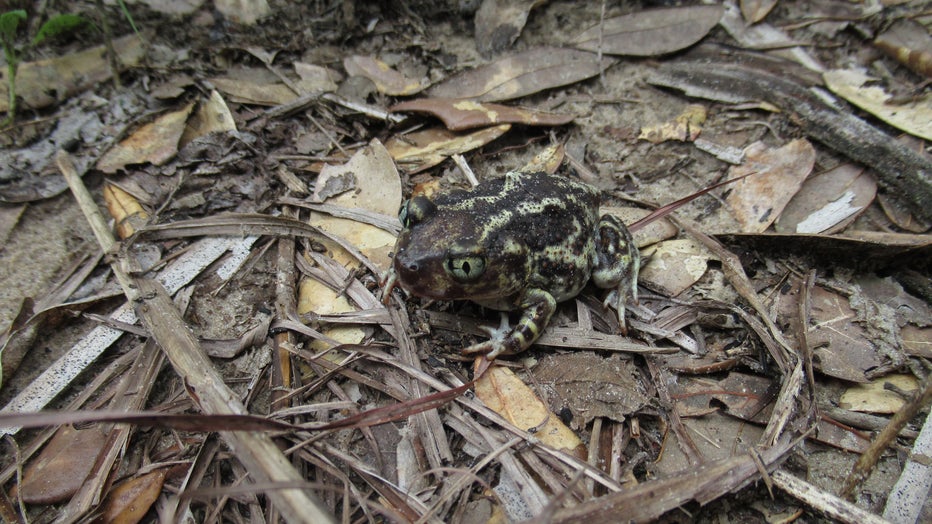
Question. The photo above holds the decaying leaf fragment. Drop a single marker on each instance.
(519, 75)
(651, 32)
(758, 200)
(499, 23)
(841, 347)
(421, 150)
(591, 385)
(386, 79)
(459, 115)
(685, 127)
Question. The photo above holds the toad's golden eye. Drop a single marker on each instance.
(415, 210)
(465, 268)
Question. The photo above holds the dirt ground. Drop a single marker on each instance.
(45, 237)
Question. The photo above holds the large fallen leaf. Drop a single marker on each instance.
(71, 450)
(758, 200)
(499, 23)
(155, 143)
(841, 347)
(591, 385)
(376, 186)
(255, 91)
(459, 115)
(503, 392)
(519, 75)
(855, 86)
(828, 201)
(386, 79)
(44, 82)
(651, 32)
(421, 150)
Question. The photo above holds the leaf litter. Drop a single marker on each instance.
(728, 380)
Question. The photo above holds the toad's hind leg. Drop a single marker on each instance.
(616, 264)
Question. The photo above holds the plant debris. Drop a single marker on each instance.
(203, 330)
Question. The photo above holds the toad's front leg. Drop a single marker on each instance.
(537, 306)
(616, 264)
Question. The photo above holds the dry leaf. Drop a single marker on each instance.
(754, 11)
(855, 86)
(420, 150)
(499, 23)
(71, 450)
(873, 397)
(908, 42)
(316, 78)
(386, 79)
(249, 91)
(129, 501)
(155, 142)
(503, 392)
(246, 12)
(519, 75)
(212, 116)
(917, 341)
(547, 161)
(378, 189)
(685, 127)
(841, 347)
(651, 32)
(126, 211)
(591, 385)
(828, 201)
(459, 115)
(44, 82)
(758, 200)
(673, 266)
